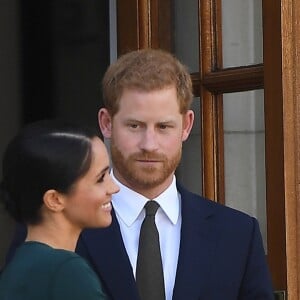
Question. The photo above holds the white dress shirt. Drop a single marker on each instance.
(129, 210)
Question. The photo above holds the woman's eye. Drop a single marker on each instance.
(101, 178)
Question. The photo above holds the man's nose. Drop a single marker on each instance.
(149, 140)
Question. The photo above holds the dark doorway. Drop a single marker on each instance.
(65, 51)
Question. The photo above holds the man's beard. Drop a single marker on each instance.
(144, 177)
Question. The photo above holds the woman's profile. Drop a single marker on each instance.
(55, 179)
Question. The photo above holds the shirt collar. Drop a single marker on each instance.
(128, 204)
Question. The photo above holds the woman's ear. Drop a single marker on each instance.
(54, 201)
(104, 121)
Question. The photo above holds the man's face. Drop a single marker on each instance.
(146, 139)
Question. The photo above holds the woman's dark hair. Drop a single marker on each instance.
(48, 154)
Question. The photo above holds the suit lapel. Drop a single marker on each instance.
(197, 247)
(198, 243)
(110, 259)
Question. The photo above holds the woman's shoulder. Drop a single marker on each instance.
(57, 273)
(76, 279)
(44, 253)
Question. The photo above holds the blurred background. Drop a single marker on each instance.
(52, 58)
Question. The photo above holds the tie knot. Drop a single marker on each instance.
(151, 208)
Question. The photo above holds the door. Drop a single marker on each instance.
(234, 51)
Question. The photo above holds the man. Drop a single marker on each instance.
(208, 251)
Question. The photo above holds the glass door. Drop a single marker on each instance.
(232, 50)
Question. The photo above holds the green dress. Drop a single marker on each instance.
(39, 272)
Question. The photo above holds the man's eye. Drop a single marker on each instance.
(133, 125)
(163, 126)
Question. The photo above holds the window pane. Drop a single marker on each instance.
(242, 32)
(185, 30)
(244, 154)
(189, 170)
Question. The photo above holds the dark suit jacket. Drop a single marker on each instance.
(221, 255)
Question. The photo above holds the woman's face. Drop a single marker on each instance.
(89, 202)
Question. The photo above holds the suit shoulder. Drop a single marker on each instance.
(209, 208)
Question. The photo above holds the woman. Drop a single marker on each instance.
(56, 180)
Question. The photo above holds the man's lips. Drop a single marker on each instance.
(149, 160)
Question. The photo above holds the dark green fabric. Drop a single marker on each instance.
(39, 272)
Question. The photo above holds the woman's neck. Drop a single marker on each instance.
(53, 235)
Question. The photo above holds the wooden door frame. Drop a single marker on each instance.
(290, 31)
(147, 21)
(281, 76)
(274, 143)
(282, 89)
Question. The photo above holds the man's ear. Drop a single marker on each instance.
(188, 121)
(54, 201)
(104, 121)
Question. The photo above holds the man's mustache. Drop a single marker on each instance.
(148, 156)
